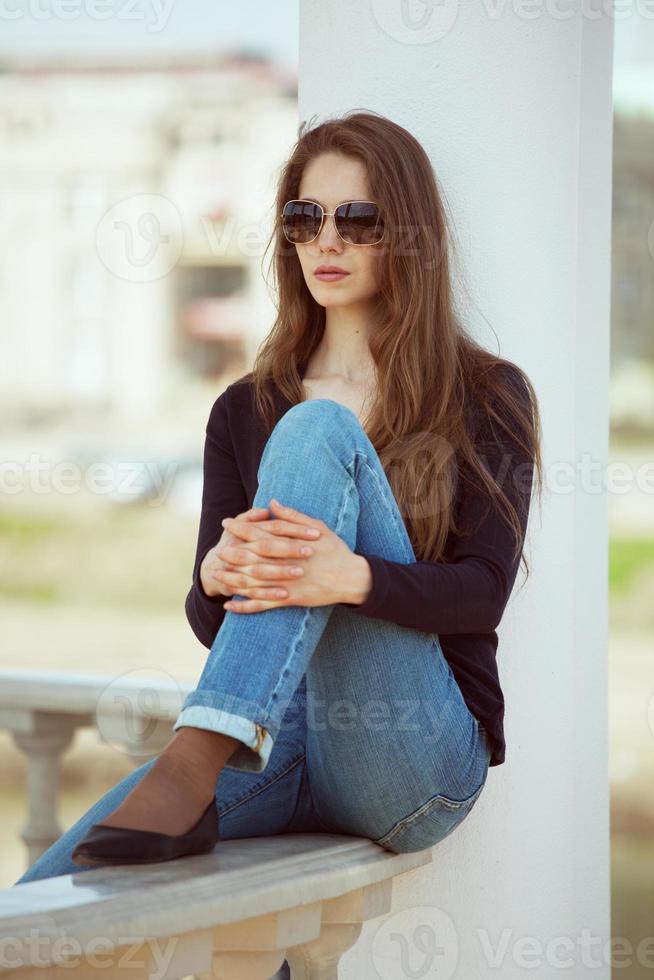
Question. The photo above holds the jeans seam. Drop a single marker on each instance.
(300, 633)
(393, 508)
(425, 808)
(305, 787)
(260, 786)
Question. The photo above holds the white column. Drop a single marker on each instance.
(513, 104)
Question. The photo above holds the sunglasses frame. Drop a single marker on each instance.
(305, 200)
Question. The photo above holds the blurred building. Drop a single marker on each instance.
(632, 270)
(633, 235)
(137, 205)
(632, 288)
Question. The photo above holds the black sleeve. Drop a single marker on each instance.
(468, 592)
(223, 495)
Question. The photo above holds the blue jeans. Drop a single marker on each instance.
(367, 732)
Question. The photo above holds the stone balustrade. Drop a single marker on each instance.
(43, 710)
(233, 914)
(236, 913)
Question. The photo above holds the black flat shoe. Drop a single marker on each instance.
(121, 845)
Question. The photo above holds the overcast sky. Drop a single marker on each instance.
(54, 27)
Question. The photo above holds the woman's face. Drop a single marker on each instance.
(330, 179)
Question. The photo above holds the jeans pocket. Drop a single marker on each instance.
(430, 823)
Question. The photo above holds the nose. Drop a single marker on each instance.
(328, 236)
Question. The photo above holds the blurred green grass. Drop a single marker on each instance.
(141, 556)
(628, 558)
(134, 556)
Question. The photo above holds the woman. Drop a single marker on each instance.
(408, 450)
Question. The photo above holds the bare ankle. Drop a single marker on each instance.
(214, 745)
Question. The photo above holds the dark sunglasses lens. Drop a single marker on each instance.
(360, 223)
(301, 221)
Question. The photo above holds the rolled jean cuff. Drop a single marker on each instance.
(203, 709)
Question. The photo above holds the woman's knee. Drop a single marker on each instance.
(316, 415)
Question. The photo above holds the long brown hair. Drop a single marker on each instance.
(433, 379)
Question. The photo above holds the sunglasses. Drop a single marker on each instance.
(357, 222)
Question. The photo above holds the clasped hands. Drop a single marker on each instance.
(263, 564)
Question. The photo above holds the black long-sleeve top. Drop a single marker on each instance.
(461, 598)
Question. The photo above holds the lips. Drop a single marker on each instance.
(329, 270)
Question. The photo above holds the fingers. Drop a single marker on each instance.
(259, 571)
(245, 606)
(253, 514)
(249, 532)
(243, 584)
(266, 547)
(296, 516)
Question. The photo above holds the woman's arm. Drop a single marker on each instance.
(223, 495)
(469, 592)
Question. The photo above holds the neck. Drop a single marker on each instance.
(344, 351)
